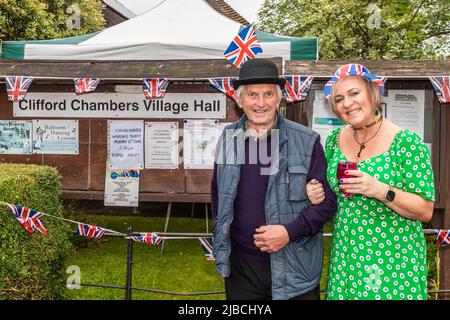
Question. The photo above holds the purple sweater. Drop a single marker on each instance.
(249, 205)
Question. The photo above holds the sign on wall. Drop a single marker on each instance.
(121, 105)
(15, 137)
(55, 137)
(122, 188)
(161, 145)
(126, 144)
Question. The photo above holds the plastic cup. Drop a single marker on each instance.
(342, 167)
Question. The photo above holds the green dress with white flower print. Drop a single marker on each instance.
(375, 253)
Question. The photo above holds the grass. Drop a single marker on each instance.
(180, 268)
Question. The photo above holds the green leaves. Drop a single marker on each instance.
(374, 30)
(49, 19)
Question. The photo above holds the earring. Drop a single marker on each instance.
(377, 112)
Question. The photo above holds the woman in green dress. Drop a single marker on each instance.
(378, 250)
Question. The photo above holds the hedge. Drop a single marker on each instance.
(32, 265)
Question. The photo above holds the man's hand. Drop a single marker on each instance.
(271, 238)
(315, 192)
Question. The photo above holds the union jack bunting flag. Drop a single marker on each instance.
(89, 231)
(84, 85)
(442, 88)
(297, 87)
(17, 86)
(224, 85)
(245, 46)
(149, 238)
(207, 246)
(155, 87)
(443, 238)
(29, 219)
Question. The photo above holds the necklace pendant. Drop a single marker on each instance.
(361, 148)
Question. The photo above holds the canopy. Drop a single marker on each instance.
(177, 29)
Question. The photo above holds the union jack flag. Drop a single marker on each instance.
(207, 246)
(245, 46)
(353, 69)
(90, 231)
(442, 87)
(443, 238)
(29, 219)
(224, 85)
(297, 87)
(155, 87)
(149, 238)
(83, 85)
(17, 86)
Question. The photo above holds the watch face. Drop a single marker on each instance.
(390, 195)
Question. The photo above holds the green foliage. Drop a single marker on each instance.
(373, 30)
(49, 19)
(32, 266)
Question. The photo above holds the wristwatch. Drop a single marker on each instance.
(390, 195)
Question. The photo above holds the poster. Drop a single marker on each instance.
(161, 145)
(126, 144)
(15, 137)
(122, 188)
(200, 139)
(55, 137)
(324, 120)
(406, 108)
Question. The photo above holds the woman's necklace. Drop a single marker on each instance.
(362, 145)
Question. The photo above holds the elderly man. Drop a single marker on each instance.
(267, 237)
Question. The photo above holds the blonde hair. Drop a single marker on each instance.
(373, 92)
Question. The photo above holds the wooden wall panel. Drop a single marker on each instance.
(198, 181)
(171, 181)
(74, 169)
(97, 166)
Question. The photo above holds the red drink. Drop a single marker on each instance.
(342, 167)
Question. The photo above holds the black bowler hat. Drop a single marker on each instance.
(259, 71)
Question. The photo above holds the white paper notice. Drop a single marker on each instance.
(200, 139)
(324, 120)
(55, 136)
(15, 137)
(161, 145)
(126, 144)
(122, 188)
(406, 109)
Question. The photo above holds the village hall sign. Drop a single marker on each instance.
(121, 105)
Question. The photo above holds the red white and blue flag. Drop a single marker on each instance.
(29, 219)
(442, 88)
(84, 85)
(207, 246)
(17, 87)
(149, 238)
(245, 46)
(224, 85)
(90, 231)
(297, 87)
(443, 238)
(155, 87)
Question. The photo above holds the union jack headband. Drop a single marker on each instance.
(353, 69)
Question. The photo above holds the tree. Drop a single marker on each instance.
(49, 19)
(374, 30)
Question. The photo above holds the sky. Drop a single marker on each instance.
(246, 8)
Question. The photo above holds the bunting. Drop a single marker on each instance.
(224, 85)
(84, 85)
(441, 86)
(148, 238)
(442, 238)
(155, 87)
(90, 231)
(207, 246)
(17, 87)
(297, 87)
(29, 219)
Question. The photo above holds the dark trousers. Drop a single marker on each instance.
(251, 280)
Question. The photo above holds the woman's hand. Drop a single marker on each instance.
(363, 183)
(315, 192)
